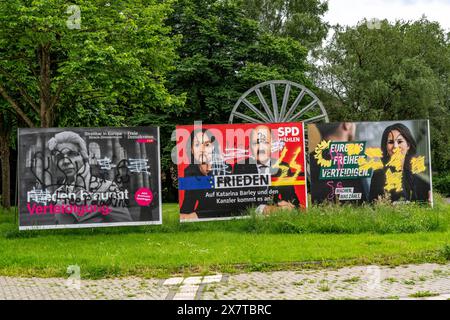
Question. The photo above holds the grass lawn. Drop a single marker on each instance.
(324, 236)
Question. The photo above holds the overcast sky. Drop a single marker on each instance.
(349, 12)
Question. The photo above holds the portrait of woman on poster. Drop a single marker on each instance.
(206, 160)
(414, 188)
(70, 156)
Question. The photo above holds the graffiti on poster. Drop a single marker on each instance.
(86, 177)
(370, 161)
(226, 169)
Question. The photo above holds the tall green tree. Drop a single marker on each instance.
(397, 71)
(95, 62)
(51, 49)
(222, 54)
(299, 19)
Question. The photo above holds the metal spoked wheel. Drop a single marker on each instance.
(279, 101)
(288, 102)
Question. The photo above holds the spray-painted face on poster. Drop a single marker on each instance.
(70, 153)
(69, 159)
(202, 147)
(261, 144)
(396, 140)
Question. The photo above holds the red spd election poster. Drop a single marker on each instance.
(225, 170)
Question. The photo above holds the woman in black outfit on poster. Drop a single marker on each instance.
(206, 160)
(414, 188)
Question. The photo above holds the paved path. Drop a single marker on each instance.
(368, 282)
(426, 281)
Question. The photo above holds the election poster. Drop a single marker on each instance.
(366, 162)
(88, 177)
(224, 170)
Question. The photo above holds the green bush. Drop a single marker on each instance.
(348, 219)
(441, 183)
(446, 252)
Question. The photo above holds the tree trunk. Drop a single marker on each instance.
(45, 95)
(4, 162)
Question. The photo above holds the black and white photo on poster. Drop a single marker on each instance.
(86, 177)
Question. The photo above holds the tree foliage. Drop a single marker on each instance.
(299, 19)
(53, 71)
(223, 53)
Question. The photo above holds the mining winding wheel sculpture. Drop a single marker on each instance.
(279, 101)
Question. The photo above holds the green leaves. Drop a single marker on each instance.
(119, 56)
(298, 19)
(223, 53)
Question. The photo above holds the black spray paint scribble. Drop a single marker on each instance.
(50, 172)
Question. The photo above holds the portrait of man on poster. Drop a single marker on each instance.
(261, 162)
